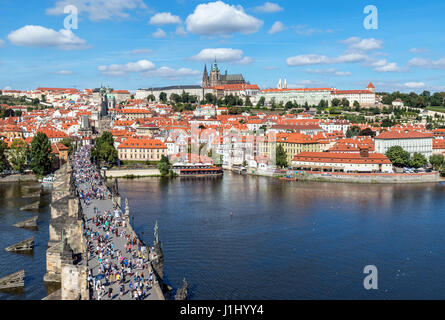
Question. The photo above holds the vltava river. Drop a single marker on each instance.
(294, 240)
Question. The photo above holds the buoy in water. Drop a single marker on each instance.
(231, 214)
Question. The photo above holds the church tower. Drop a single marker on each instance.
(205, 78)
(215, 75)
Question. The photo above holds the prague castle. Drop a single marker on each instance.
(215, 78)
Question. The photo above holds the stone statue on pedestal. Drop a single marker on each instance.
(156, 233)
(127, 208)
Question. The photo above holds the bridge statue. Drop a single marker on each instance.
(127, 207)
(156, 233)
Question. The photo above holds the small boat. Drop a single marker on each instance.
(13, 281)
(48, 179)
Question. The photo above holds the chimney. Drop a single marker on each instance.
(364, 152)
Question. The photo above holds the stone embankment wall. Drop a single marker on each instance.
(67, 244)
(123, 173)
(19, 178)
(374, 178)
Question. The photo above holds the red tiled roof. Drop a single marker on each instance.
(328, 157)
(134, 143)
(388, 135)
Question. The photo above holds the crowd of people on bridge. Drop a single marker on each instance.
(121, 257)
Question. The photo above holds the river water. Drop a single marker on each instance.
(285, 240)
(11, 200)
(288, 240)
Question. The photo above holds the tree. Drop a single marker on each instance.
(281, 157)
(41, 159)
(398, 156)
(163, 97)
(18, 155)
(261, 102)
(248, 103)
(437, 161)
(418, 160)
(104, 150)
(67, 142)
(164, 166)
(151, 98)
(3, 158)
(353, 132)
(335, 102)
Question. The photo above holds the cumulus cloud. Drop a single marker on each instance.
(277, 27)
(305, 31)
(223, 55)
(219, 18)
(180, 31)
(363, 44)
(418, 50)
(64, 72)
(269, 7)
(159, 34)
(331, 71)
(311, 59)
(147, 69)
(99, 9)
(415, 85)
(131, 67)
(141, 51)
(384, 66)
(171, 74)
(38, 36)
(164, 18)
(427, 63)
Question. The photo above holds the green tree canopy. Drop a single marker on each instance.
(437, 161)
(281, 157)
(418, 160)
(3, 159)
(164, 166)
(18, 155)
(398, 156)
(104, 150)
(41, 159)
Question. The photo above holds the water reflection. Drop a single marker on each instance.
(294, 240)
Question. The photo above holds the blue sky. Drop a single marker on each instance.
(131, 44)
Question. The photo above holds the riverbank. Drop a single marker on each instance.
(360, 178)
(132, 173)
(19, 178)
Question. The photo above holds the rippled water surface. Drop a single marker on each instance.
(294, 240)
(11, 200)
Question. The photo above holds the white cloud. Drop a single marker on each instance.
(418, 50)
(310, 59)
(414, 85)
(172, 74)
(64, 72)
(363, 44)
(307, 59)
(219, 18)
(131, 67)
(305, 31)
(164, 18)
(38, 36)
(306, 84)
(388, 67)
(141, 51)
(277, 27)
(99, 9)
(159, 34)
(427, 63)
(269, 7)
(329, 72)
(223, 55)
(180, 31)
(147, 69)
